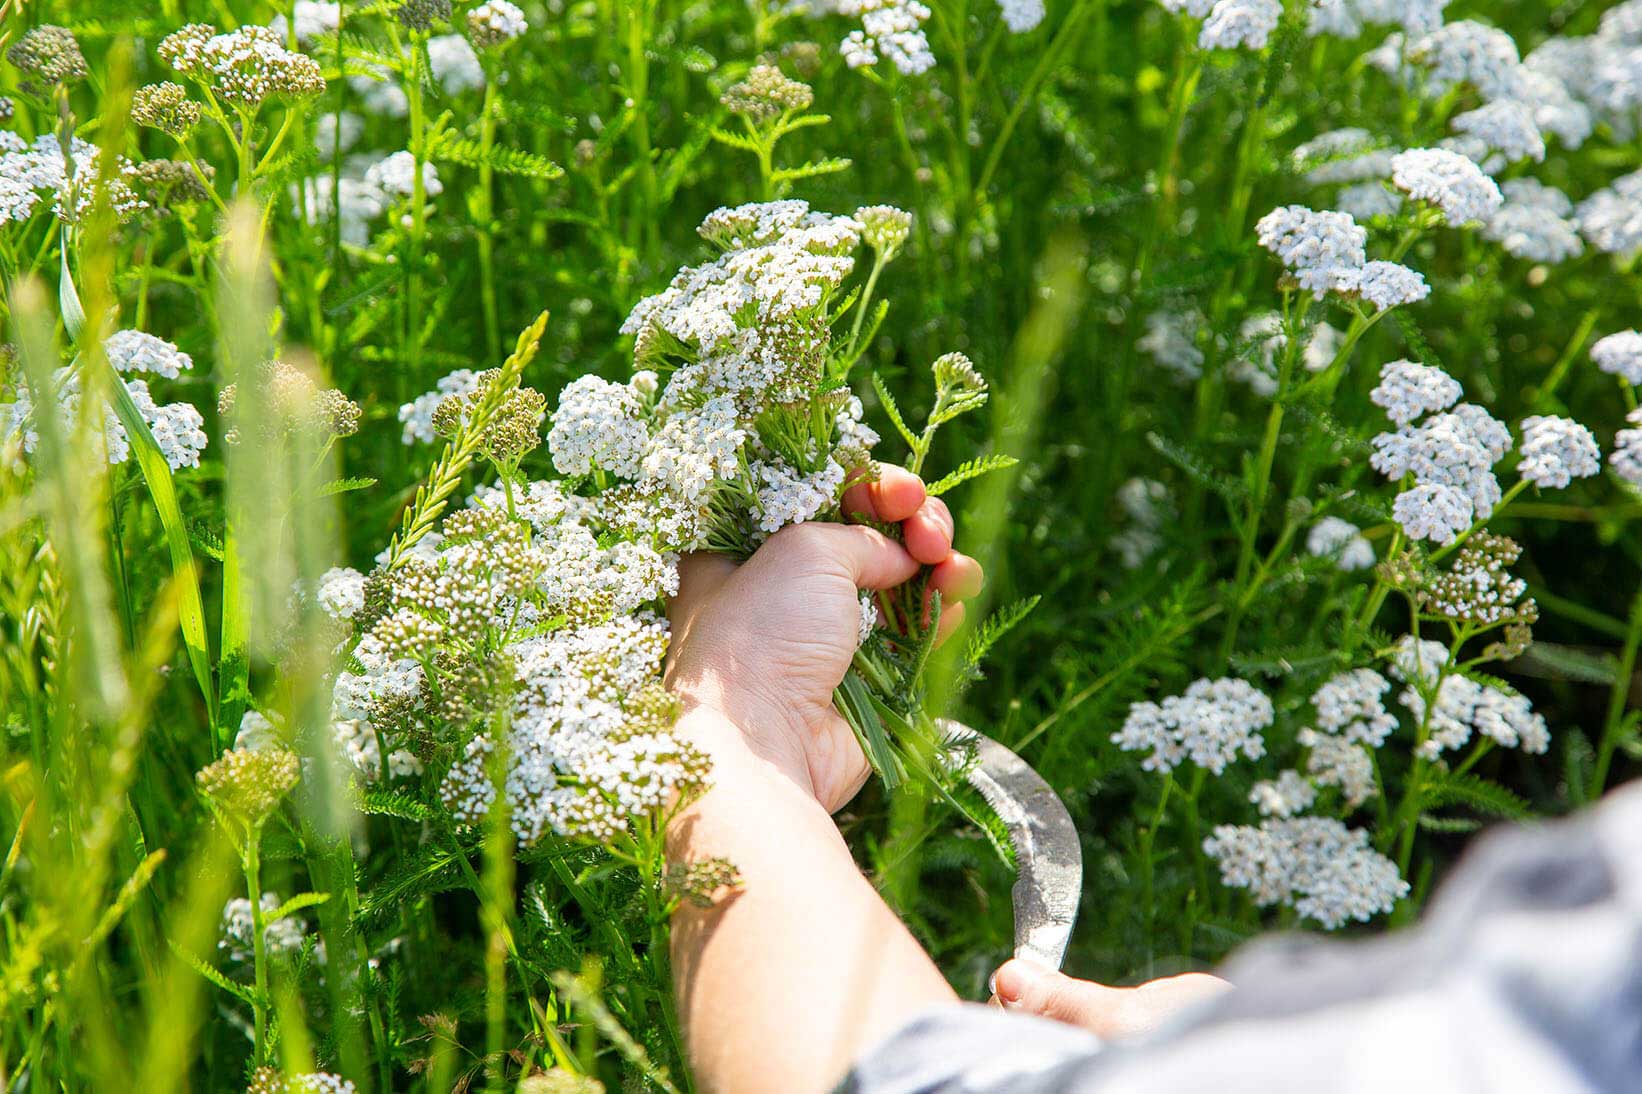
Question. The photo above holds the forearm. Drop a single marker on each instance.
(782, 984)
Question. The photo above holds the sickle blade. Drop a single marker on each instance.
(1048, 856)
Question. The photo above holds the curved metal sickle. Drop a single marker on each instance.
(1048, 856)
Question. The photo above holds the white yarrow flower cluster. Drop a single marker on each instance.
(1505, 126)
(1232, 24)
(1021, 16)
(1317, 865)
(177, 428)
(1449, 182)
(1611, 219)
(1284, 796)
(1319, 248)
(1620, 355)
(314, 19)
(454, 64)
(1536, 222)
(1347, 18)
(1408, 390)
(1209, 724)
(1462, 706)
(1451, 456)
(395, 176)
(1341, 540)
(495, 22)
(281, 937)
(1147, 504)
(1556, 451)
(1626, 457)
(1171, 341)
(889, 28)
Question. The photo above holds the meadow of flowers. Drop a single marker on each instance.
(368, 365)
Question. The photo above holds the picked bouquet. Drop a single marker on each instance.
(509, 656)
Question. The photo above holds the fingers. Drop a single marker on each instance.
(958, 577)
(1106, 1012)
(893, 497)
(928, 532)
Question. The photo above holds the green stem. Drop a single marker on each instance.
(1618, 695)
(259, 945)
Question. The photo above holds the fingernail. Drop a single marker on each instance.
(1011, 982)
(992, 984)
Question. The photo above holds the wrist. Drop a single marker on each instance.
(742, 738)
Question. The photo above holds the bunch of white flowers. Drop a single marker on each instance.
(1341, 540)
(178, 428)
(1240, 23)
(1620, 355)
(1321, 868)
(1326, 252)
(1536, 222)
(69, 175)
(1449, 182)
(1209, 724)
(889, 28)
(1450, 455)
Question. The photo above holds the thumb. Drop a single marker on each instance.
(1026, 986)
(871, 559)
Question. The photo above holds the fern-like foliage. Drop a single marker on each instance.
(447, 147)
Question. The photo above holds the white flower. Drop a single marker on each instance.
(1210, 723)
(1448, 181)
(495, 22)
(891, 28)
(1611, 219)
(869, 618)
(1432, 511)
(1506, 126)
(1257, 364)
(1345, 18)
(1367, 200)
(335, 133)
(1343, 155)
(1384, 284)
(1197, 9)
(1457, 450)
(281, 937)
(1510, 721)
(1467, 52)
(134, 351)
(1284, 796)
(396, 176)
(1323, 347)
(379, 94)
(1338, 761)
(1349, 706)
(1626, 457)
(1316, 864)
(256, 733)
(1170, 340)
(1317, 247)
(786, 496)
(1418, 661)
(361, 202)
(1021, 16)
(1234, 23)
(417, 415)
(341, 592)
(1535, 223)
(597, 422)
(313, 19)
(1408, 390)
(1620, 355)
(1341, 540)
(1555, 451)
(454, 64)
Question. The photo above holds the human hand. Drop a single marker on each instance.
(765, 642)
(1108, 1013)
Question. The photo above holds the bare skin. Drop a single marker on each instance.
(783, 984)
